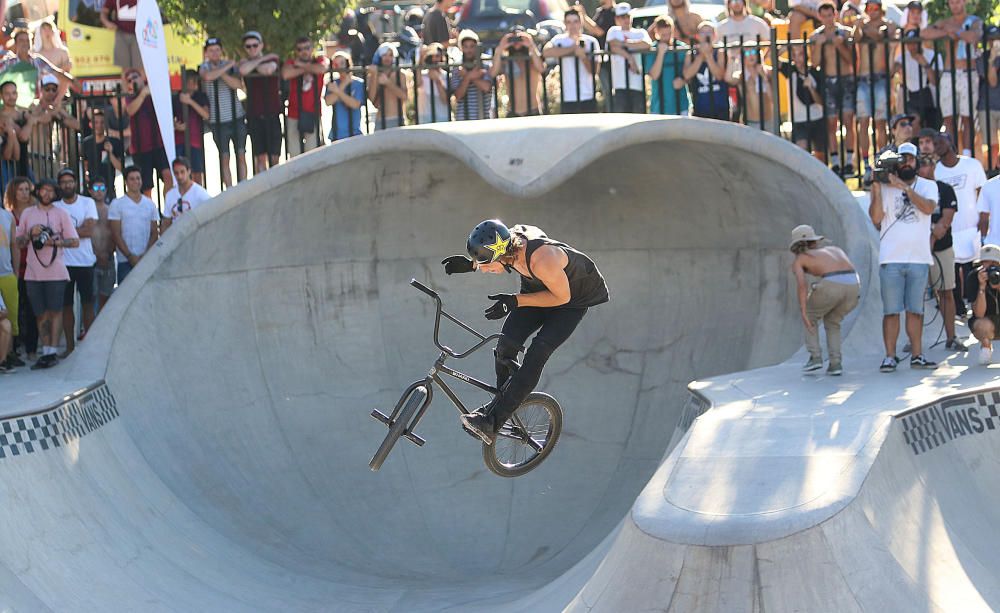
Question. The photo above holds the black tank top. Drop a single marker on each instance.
(586, 284)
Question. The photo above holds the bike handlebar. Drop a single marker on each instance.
(439, 311)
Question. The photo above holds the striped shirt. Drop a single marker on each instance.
(221, 97)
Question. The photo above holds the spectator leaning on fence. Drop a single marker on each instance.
(705, 71)
(754, 82)
(518, 65)
(79, 260)
(873, 34)
(625, 44)
(264, 105)
(221, 80)
(147, 144)
(470, 83)
(989, 119)
(917, 66)
(36, 66)
(191, 111)
(49, 130)
(388, 87)
(46, 231)
(577, 64)
(346, 94)
(102, 154)
(433, 99)
(119, 16)
(740, 29)
(134, 223)
(103, 243)
(808, 128)
(832, 51)
(304, 73)
(901, 211)
(185, 196)
(668, 92)
(959, 84)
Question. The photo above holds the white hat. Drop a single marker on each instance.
(804, 233)
(989, 252)
(622, 8)
(907, 149)
(49, 79)
(467, 34)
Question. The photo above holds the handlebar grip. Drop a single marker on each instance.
(420, 286)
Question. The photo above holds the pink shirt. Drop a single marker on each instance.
(60, 222)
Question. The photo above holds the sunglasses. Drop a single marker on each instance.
(50, 88)
(903, 124)
(252, 46)
(98, 188)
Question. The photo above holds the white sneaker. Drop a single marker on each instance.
(985, 355)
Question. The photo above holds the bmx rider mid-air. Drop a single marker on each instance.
(558, 285)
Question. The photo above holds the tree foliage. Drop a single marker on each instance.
(985, 9)
(280, 22)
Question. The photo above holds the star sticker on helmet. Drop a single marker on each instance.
(498, 248)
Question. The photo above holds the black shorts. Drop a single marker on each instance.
(45, 296)
(147, 162)
(81, 279)
(813, 132)
(265, 135)
(583, 106)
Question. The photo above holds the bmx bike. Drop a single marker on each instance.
(522, 442)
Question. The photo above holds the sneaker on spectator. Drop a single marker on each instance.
(813, 364)
(5, 368)
(46, 361)
(835, 369)
(13, 360)
(888, 364)
(985, 355)
(955, 345)
(921, 363)
(907, 348)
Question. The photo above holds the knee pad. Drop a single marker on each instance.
(506, 349)
(540, 350)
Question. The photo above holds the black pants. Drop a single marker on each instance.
(554, 326)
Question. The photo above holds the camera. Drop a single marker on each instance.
(45, 235)
(993, 275)
(888, 163)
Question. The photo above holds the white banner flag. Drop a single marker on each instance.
(153, 48)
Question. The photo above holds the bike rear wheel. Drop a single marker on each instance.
(527, 438)
(398, 427)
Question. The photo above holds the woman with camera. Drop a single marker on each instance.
(982, 289)
(46, 229)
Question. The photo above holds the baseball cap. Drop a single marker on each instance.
(253, 34)
(989, 252)
(66, 172)
(915, 4)
(907, 149)
(467, 35)
(803, 233)
(213, 41)
(875, 2)
(49, 79)
(622, 8)
(898, 118)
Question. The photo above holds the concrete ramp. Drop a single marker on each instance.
(219, 460)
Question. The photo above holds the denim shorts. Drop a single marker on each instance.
(903, 287)
(227, 132)
(865, 87)
(841, 95)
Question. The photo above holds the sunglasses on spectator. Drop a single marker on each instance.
(50, 88)
(903, 124)
(251, 46)
(98, 188)
(750, 53)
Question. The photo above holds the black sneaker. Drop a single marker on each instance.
(888, 364)
(46, 361)
(13, 361)
(921, 363)
(480, 425)
(956, 345)
(5, 368)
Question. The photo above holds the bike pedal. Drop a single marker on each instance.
(415, 439)
(382, 417)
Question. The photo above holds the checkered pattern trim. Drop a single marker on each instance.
(932, 426)
(58, 426)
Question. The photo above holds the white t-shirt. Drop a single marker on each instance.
(135, 218)
(82, 209)
(906, 231)
(618, 67)
(176, 205)
(750, 26)
(989, 202)
(568, 65)
(966, 177)
(916, 75)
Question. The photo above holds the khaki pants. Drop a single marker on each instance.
(829, 302)
(299, 143)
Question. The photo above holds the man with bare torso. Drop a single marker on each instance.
(832, 50)
(873, 34)
(518, 63)
(830, 299)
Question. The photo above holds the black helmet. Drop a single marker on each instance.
(488, 241)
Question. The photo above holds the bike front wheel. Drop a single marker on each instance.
(527, 438)
(398, 427)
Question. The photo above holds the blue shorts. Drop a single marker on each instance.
(903, 287)
(865, 87)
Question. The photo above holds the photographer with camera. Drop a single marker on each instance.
(982, 289)
(46, 230)
(901, 207)
(576, 54)
(517, 61)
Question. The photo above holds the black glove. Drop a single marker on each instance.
(505, 304)
(457, 263)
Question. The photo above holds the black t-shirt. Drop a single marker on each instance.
(604, 18)
(100, 166)
(992, 295)
(946, 200)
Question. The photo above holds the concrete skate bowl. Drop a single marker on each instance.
(247, 350)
